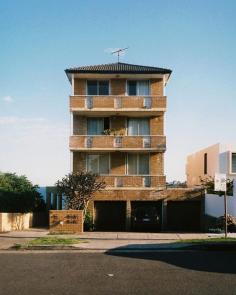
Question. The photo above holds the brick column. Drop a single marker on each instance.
(128, 216)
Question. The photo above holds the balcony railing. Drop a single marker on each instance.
(118, 103)
(111, 142)
(134, 181)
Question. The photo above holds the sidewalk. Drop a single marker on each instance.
(108, 240)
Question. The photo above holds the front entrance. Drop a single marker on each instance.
(110, 215)
(146, 216)
(184, 215)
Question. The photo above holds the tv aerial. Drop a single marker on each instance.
(118, 52)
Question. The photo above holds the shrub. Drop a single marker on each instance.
(18, 194)
(231, 222)
(88, 222)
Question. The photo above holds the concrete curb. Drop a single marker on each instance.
(141, 248)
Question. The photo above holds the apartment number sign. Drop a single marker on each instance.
(220, 182)
(66, 220)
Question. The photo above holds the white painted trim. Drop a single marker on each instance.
(71, 124)
(72, 85)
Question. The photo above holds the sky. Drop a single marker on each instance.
(39, 39)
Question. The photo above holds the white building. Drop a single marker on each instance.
(218, 158)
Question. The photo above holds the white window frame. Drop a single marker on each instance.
(149, 87)
(109, 162)
(127, 126)
(127, 166)
(98, 80)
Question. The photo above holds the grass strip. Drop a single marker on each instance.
(208, 240)
(54, 241)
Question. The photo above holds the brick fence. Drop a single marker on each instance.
(68, 221)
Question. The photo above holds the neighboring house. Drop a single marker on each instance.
(218, 158)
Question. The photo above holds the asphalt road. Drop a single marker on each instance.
(124, 273)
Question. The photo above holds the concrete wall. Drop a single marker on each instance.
(214, 205)
(15, 221)
(195, 164)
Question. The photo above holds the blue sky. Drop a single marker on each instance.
(39, 39)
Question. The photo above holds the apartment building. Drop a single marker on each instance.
(217, 158)
(117, 130)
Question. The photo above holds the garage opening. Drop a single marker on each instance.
(184, 215)
(110, 215)
(146, 216)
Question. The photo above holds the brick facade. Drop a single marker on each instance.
(119, 107)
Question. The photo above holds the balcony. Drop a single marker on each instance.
(134, 181)
(115, 105)
(155, 143)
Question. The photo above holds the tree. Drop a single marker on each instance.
(18, 194)
(78, 189)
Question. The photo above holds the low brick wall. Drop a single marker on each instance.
(15, 221)
(66, 221)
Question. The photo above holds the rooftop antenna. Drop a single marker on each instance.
(118, 52)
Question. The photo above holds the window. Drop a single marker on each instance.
(205, 163)
(138, 164)
(138, 87)
(95, 87)
(233, 163)
(138, 126)
(98, 163)
(96, 126)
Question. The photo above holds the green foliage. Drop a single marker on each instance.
(18, 194)
(88, 222)
(208, 183)
(231, 223)
(11, 182)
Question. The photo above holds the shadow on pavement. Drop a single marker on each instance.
(207, 261)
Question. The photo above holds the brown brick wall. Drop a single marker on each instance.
(79, 87)
(70, 221)
(107, 102)
(157, 125)
(118, 86)
(132, 195)
(80, 125)
(156, 87)
(79, 162)
(118, 163)
(157, 163)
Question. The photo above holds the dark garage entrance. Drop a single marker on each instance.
(146, 216)
(184, 215)
(110, 215)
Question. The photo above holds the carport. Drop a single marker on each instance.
(110, 215)
(184, 215)
(146, 216)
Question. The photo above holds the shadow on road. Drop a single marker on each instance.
(207, 261)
